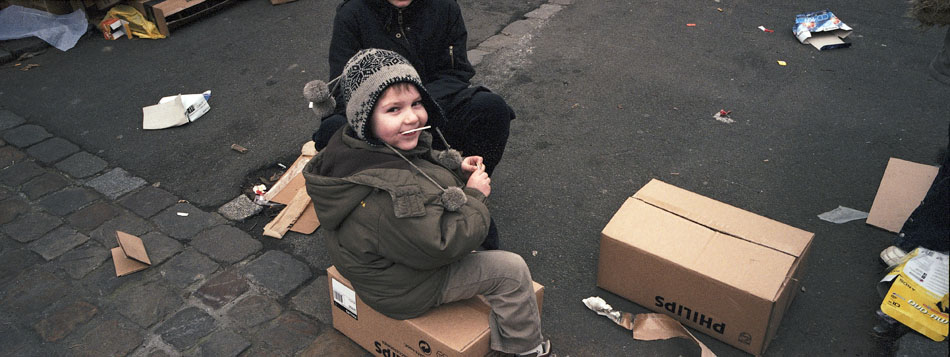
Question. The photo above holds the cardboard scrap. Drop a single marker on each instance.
(164, 115)
(645, 327)
(902, 188)
(302, 219)
(130, 256)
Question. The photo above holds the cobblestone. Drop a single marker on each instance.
(185, 227)
(146, 303)
(19, 173)
(296, 332)
(31, 226)
(81, 165)
(11, 208)
(160, 247)
(277, 271)
(314, 300)
(115, 183)
(52, 150)
(43, 184)
(185, 328)
(63, 320)
(25, 135)
(10, 155)
(333, 343)
(254, 310)
(222, 289)
(148, 201)
(83, 259)
(57, 242)
(224, 343)
(240, 208)
(31, 292)
(67, 201)
(186, 268)
(125, 222)
(92, 216)
(8, 119)
(113, 337)
(226, 244)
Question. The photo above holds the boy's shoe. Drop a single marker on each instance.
(892, 255)
(545, 350)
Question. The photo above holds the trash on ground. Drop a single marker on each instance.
(130, 256)
(690, 25)
(782, 63)
(60, 31)
(765, 29)
(842, 214)
(238, 148)
(902, 188)
(133, 21)
(183, 214)
(175, 110)
(27, 67)
(719, 8)
(915, 292)
(821, 29)
(645, 327)
(113, 28)
(723, 116)
(299, 215)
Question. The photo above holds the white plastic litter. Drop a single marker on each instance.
(842, 214)
(60, 31)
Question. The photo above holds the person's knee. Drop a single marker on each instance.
(512, 263)
(493, 106)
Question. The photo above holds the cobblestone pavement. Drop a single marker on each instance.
(211, 290)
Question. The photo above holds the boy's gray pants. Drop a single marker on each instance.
(505, 282)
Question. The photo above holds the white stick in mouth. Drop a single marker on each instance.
(416, 129)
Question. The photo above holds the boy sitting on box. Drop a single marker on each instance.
(399, 223)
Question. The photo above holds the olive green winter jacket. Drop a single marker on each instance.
(385, 228)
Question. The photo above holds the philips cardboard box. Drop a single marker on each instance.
(716, 268)
(456, 329)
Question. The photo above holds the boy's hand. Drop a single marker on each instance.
(472, 163)
(479, 179)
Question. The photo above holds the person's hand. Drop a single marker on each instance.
(479, 179)
(472, 163)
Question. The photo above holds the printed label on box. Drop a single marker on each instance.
(344, 298)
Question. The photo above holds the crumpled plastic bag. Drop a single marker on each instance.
(60, 31)
(138, 25)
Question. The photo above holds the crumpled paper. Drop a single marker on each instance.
(645, 327)
(842, 214)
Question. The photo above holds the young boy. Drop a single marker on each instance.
(399, 224)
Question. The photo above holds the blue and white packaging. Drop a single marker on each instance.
(821, 29)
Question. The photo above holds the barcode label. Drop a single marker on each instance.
(344, 298)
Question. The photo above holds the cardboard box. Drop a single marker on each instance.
(166, 14)
(903, 187)
(455, 329)
(130, 256)
(716, 268)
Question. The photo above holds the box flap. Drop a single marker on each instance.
(132, 246)
(124, 265)
(903, 187)
(745, 265)
(725, 218)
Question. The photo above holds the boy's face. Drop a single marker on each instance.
(399, 109)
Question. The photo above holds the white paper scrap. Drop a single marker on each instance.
(842, 214)
(164, 115)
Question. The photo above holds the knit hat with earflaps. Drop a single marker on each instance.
(366, 75)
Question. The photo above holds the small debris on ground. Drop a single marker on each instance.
(238, 148)
(765, 29)
(723, 116)
(183, 214)
(782, 63)
(690, 25)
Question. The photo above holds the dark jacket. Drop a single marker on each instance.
(385, 228)
(431, 34)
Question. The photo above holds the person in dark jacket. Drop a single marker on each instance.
(431, 34)
(401, 223)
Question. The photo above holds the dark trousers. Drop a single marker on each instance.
(478, 127)
(929, 225)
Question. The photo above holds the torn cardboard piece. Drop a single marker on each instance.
(821, 29)
(716, 268)
(646, 327)
(130, 256)
(903, 187)
(164, 115)
(286, 189)
(455, 329)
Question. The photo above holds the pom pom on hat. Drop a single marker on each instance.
(451, 159)
(318, 93)
(453, 198)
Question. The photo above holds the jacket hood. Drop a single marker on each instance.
(349, 169)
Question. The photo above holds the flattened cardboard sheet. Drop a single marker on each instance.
(903, 187)
(130, 256)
